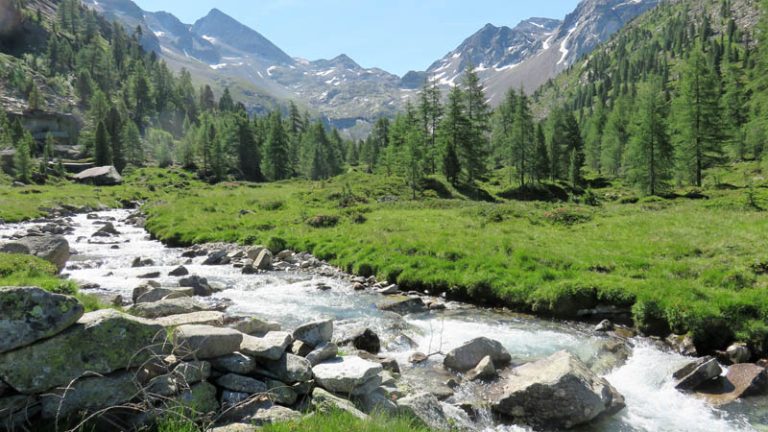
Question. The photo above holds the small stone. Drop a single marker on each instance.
(418, 357)
(483, 371)
(236, 363)
(179, 271)
(323, 352)
(243, 384)
(604, 326)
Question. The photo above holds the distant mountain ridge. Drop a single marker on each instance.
(224, 52)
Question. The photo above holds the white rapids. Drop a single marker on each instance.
(291, 298)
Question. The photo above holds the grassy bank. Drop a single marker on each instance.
(682, 265)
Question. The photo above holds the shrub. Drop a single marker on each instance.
(323, 221)
(567, 216)
(277, 244)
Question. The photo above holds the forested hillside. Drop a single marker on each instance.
(135, 110)
(679, 91)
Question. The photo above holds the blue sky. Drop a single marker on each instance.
(395, 35)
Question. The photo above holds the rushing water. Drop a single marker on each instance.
(291, 298)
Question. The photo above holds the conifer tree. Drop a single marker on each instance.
(22, 159)
(102, 149)
(649, 158)
(454, 129)
(276, 158)
(614, 139)
(541, 163)
(430, 112)
(697, 118)
(226, 103)
(249, 150)
(474, 148)
(131, 138)
(523, 139)
(734, 109)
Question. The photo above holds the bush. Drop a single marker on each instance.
(277, 244)
(323, 221)
(567, 216)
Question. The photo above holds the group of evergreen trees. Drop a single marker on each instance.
(138, 112)
(670, 97)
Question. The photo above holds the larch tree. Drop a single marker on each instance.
(649, 157)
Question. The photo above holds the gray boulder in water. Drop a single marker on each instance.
(558, 392)
(469, 355)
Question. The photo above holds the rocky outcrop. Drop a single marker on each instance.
(100, 176)
(741, 380)
(558, 392)
(100, 342)
(469, 355)
(348, 375)
(30, 314)
(54, 249)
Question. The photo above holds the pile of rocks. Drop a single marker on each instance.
(58, 363)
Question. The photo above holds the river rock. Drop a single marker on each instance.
(364, 339)
(205, 342)
(263, 260)
(604, 326)
(274, 414)
(289, 369)
(54, 249)
(212, 318)
(198, 284)
(168, 307)
(138, 262)
(377, 401)
(241, 384)
(300, 348)
(17, 410)
(28, 314)
(218, 257)
(738, 353)
(741, 380)
(325, 402)
(90, 394)
(696, 373)
(100, 342)
(236, 363)
(427, 408)
(179, 271)
(389, 290)
(682, 344)
(483, 371)
(270, 347)
(235, 427)
(100, 176)
(192, 372)
(146, 294)
(558, 392)
(315, 333)
(255, 326)
(468, 356)
(281, 393)
(107, 230)
(322, 353)
(348, 375)
(200, 398)
(403, 305)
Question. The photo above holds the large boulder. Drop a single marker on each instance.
(263, 260)
(167, 307)
(270, 347)
(425, 407)
(315, 333)
(198, 284)
(469, 355)
(348, 375)
(100, 176)
(289, 369)
(696, 373)
(205, 342)
(91, 393)
(325, 402)
(403, 305)
(100, 342)
(28, 314)
(558, 392)
(54, 249)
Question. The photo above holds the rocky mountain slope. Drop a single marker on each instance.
(220, 50)
(537, 49)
